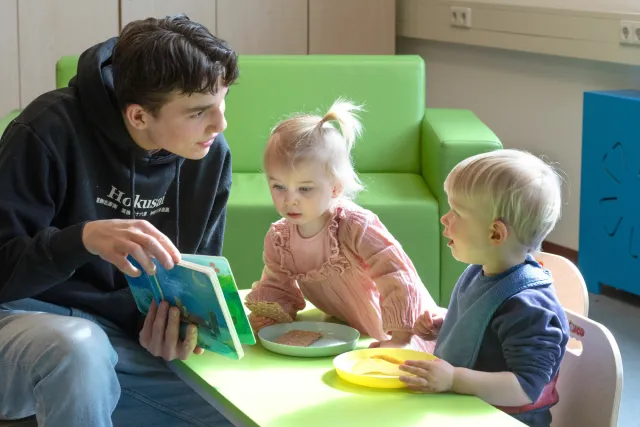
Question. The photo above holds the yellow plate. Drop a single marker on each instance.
(344, 362)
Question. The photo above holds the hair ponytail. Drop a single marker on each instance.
(314, 137)
(343, 112)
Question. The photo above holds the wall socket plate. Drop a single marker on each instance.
(460, 16)
(630, 32)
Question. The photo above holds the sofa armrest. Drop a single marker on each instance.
(449, 136)
(4, 121)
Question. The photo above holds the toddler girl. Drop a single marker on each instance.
(326, 248)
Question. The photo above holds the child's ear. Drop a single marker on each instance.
(499, 233)
(337, 191)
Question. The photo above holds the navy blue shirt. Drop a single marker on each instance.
(527, 334)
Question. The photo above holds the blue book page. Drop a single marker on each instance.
(193, 292)
(142, 290)
(228, 284)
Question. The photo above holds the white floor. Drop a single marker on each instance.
(621, 315)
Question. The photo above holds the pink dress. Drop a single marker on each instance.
(353, 269)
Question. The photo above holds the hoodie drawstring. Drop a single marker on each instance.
(132, 181)
(177, 208)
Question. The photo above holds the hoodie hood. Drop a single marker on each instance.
(83, 166)
(94, 82)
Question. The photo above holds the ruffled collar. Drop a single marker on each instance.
(337, 261)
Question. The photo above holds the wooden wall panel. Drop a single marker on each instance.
(49, 29)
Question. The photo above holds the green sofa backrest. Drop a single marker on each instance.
(66, 68)
(391, 89)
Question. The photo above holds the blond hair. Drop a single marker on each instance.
(516, 187)
(308, 137)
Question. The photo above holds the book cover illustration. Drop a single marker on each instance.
(204, 290)
(236, 307)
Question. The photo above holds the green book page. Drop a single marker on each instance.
(234, 302)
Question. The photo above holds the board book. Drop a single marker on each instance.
(204, 290)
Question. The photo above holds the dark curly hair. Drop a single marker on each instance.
(155, 58)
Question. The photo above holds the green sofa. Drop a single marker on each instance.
(403, 158)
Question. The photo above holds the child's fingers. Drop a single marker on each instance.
(415, 371)
(259, 322)
(424, 364)
(417, 389)
(414, 381)
(437, 322)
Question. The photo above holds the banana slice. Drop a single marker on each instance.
(377, 366)
(388, 358)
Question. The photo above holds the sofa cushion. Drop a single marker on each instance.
(402, 201)
(271, 88)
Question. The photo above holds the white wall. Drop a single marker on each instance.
(49, 29)
(532, 102)
(9, 68)
(621, 6)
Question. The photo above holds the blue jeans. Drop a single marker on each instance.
(73, 369)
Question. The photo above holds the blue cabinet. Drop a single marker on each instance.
(609, 245)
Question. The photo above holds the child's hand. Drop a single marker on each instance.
(259, 322)
(398, 340)
(432, 376)
(429, 324)
(390, 344)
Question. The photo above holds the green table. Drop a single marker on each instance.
(265, 389)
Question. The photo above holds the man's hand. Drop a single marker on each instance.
(160, 334)
(114, 239)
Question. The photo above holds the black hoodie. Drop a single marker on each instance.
(69, 159)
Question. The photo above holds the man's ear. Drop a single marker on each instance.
(499, 233)
(137, 116)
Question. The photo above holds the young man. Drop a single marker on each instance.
(127, 160)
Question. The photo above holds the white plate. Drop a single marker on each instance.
(336, 339)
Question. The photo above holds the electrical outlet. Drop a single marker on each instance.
(630, 33)
(461, 17)
(635, 33)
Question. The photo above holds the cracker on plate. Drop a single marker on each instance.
(299, 338)
(272, 310)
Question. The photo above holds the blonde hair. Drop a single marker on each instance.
(308, 137)
(516, 187)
